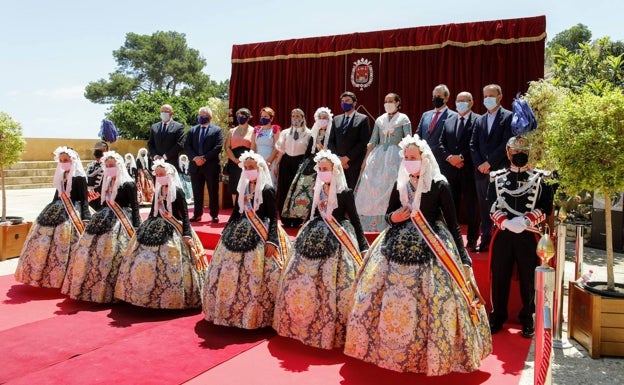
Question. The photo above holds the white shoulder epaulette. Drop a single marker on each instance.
(494, 174)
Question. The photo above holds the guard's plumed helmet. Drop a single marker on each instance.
(519, 142)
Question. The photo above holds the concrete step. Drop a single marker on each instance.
(31, 174)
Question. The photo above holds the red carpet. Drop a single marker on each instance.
(48, 338)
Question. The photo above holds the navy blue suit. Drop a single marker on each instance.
(461, 180)
(433, 138)
(350, 141)
(490, 147)
(207, 174)
(169, 142)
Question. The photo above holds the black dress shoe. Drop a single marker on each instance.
(495, 328)
(215, 220)
(482, 249)
(528, 331)
(471, 245)
(195, 219)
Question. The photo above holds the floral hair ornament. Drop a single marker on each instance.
(264, 179)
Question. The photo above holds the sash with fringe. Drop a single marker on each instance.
(197, 249)
(343, 237)
(72, 213)
(263, 232)
(123, 219)
(449, 263)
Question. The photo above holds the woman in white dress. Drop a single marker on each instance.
(381, 166)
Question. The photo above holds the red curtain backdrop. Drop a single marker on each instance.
(313, 72)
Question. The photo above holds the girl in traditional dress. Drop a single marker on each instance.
(145, 181)
(131, 166)
(53, 236)
(163, 267)
(315, 289)
(243, 274)
(299, 198)
(93, 267)
(185, 178)
(293, 146)
(381, 166)
(415, 306)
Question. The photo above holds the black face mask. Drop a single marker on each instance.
(520, 159)
(98, 153)
(438, 102)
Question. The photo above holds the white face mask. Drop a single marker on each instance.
(251, 175)
(462, 107)
(162, 180)
(490, 102)
(325, 176)
(66, 166)
(164, 116)
(111, 171)
(390, 107)
(412, 166)
(323, 122)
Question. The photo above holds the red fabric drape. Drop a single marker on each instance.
(313, 72)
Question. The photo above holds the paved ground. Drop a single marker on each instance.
(571, 366)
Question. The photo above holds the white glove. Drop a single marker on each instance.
(514, 225)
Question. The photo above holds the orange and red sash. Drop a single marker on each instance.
(123, 219)
(197, 249)
(449, 263)
(343, 237)
(263, 232)
(72, 213)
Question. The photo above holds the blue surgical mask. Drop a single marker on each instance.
(462, 107)
(490, 102)
(242, 119)
(346, 107)
(203, 119)
(165, 116)
(296, 122)
(265, 121)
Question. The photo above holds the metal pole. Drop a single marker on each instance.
(560, 342)
(544, 287)
(578, 252)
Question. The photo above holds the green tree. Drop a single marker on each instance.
(592, 66)
(11, 147)
(153, 70)
(571, 38)
(585, 143)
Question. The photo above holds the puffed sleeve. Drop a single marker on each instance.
(448, 211)
(349, 205)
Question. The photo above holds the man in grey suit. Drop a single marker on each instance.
(457, 164)
(166, 138)
(431, 123)
(349, 137)
(203, 145)
(487, 147)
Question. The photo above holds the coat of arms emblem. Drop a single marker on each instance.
(362, 73)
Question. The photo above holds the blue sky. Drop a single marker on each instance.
(52, 49)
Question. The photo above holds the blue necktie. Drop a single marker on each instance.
(345, 124)
(460, 128)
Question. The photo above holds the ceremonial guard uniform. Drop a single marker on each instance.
(521, 201)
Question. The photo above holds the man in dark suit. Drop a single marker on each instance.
(203, 145)
(457, 164)
(166, 138)
(487, 147)
(432, 122)
(349, 137)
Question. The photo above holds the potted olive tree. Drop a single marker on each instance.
(12, 144)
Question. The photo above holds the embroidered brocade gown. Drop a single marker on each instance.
(408, 313)
(51, 240)
(157, 270)
(94, 266)
(315, 290)
(241, 282)
(301, 192)
(382, 167)
(145, 181)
